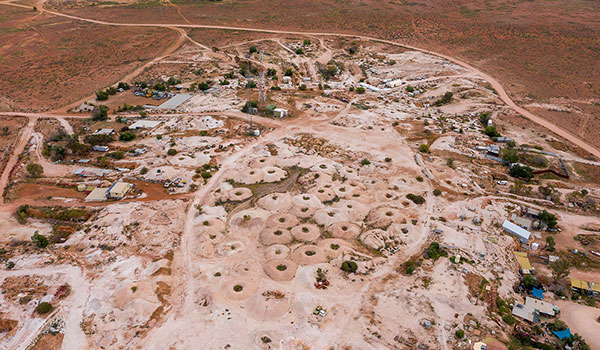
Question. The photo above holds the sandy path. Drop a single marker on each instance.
(24, 138)
(582, 319)
(74, 336)
(493, 82)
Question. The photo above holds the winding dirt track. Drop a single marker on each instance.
(493, 82)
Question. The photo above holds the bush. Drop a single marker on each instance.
(306, 42)
(172, 151)
(34, 170)
(509, 155)
(491, 131)
(100, 113)
(550, 219)
(409, 267)
(444, 99)
(523, 172)
(484, 117)
(360, 90)
(434, 251)
(39, 240)
(289, 72)
(302, 87)
(437, 192)
(98, 139)
(349, 266)
(117, 155)
(144, 171)
(299, 51)
(423, 148)
(365, 161)
(410, 88)
(253, 49)
(101, 96)
(123, 86)
(43, 308)
(127, 136)
(415, 198)
(420, 178)
(459, 334)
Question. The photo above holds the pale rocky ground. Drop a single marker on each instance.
(204, 271)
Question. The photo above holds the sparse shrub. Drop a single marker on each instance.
(39, 240)
(423, 148)
(349, 266)
(281, 267)
(43, 308)
(365, 161)
(360, 90)
(415, 198)
(437, 192)
(172, 151)
(459, 334)
(144, 171)
(101, 96)
(238, 288)
(127, 136)
(34, 170)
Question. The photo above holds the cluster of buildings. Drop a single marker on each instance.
(116, 191)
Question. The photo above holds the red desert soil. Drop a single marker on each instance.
(50, 61)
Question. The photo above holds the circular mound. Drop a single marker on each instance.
(238, 289)
(309, 255)
(333, 247)
(355, 211)
(375, 184)
(323, 193)
(360, 196)
(261, 162)
(210, 224)
(230, 248)
(280, 269)
(273, 174)
(314, 177)
(373, 238)
(303, 212)
(383, 217)
(344, 230)
(324, 168)
(349, 173)
(248, 221)
(277, 251)
(306, 232)
(343, 190)
(269, 304)
(276, 202)
(386, 196)
(249, 176)
(214, 237)
(357, 185)
(239, 194)
(328, 216)
(284, 220)
(275, 236)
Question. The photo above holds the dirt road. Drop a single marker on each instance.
(493, 82)
(24, 137)
(582, 320)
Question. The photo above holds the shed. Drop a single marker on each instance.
(104, 131)
(118, 190)
(524, 263)
(280, 112)
(516, 230)
(98, 194)
(522, 222)
(526, 312)
(144, 124)
(175, 101)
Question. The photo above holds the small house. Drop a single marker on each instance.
(118, 190)
(516, 230)
(98, 194)
(99, 148)
(104, 132)
(280, 112)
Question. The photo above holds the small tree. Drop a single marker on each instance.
(43, 308)
(560, 269)
(34, 170)
(100, 113)
(550, 243)
(306, 42)
(101, 95)
(550, 219)
(423, 148)
(360, 90)
(289, 72)
(459, 334)
(253, 49)
(509, 155)
(172, 151)
(39, 240)
(127, 136)
(349, 266)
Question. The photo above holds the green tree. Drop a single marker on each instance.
(560, 269)
(39, 240)
(172, 151)
(509, 155)
(523, 172)
(34, 170)
(484, 117)
(349, 266)
(100, 113)
(306, 42)
(459, 334)
(253, 49)
(491, 131)
(360, 90)
(127, 136)
(289, 72)
(43, 308)
(101, 96)
(550, 243)
(550, 219)
(409, 88)
(446, 98)
(423, 148)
